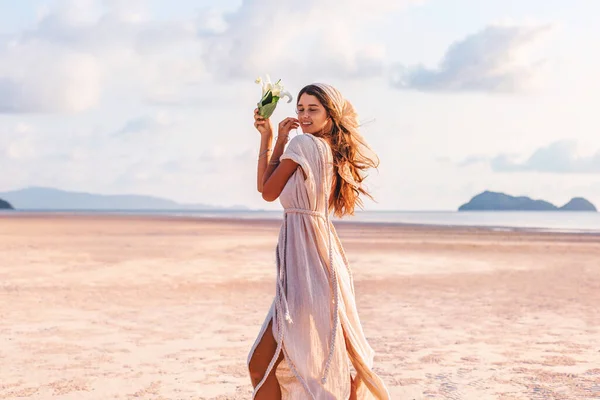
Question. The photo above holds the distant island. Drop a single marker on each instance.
(41, 198)
(5, 205)
(495, 201)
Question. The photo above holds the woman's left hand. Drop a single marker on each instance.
(286, 126)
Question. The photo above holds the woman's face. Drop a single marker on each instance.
(312, 115)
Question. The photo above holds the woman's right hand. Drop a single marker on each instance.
(262, 125)
(286, 126)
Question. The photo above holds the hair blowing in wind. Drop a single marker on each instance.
(352, 156)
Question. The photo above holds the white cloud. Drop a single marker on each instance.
(79, 50)
(340, 55)
(492, 60)
(147, 125)
(560, 157)
(160, 153)
(268, 35)
(17, 144)
(134, 66)
(36, 77)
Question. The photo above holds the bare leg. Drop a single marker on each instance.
(263, 353)
(352, 389)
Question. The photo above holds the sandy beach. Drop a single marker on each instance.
(100, 307)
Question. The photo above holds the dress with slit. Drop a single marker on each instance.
(315, 319)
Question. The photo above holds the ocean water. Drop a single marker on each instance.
(557, 221)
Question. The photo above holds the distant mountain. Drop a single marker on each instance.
(40, 198)
(494, 201)
(5, 205)
(578, 204)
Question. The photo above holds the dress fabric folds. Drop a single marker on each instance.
(315, 319)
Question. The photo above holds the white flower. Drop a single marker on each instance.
(280, 92)
(276, 89)
(271, 93)
(285, 93)
(266, 84)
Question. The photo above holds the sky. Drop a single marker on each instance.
(156, 97)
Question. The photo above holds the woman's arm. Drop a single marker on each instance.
(266, 138)
(263, 159)
(272, 175)
(277, 174)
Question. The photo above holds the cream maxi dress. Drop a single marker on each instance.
(315, 320)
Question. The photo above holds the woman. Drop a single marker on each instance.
(313, 324)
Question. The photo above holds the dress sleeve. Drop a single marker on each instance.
(300, 150)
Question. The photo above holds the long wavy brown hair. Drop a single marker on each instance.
(352, 156)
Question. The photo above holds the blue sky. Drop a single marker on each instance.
(156, 97)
